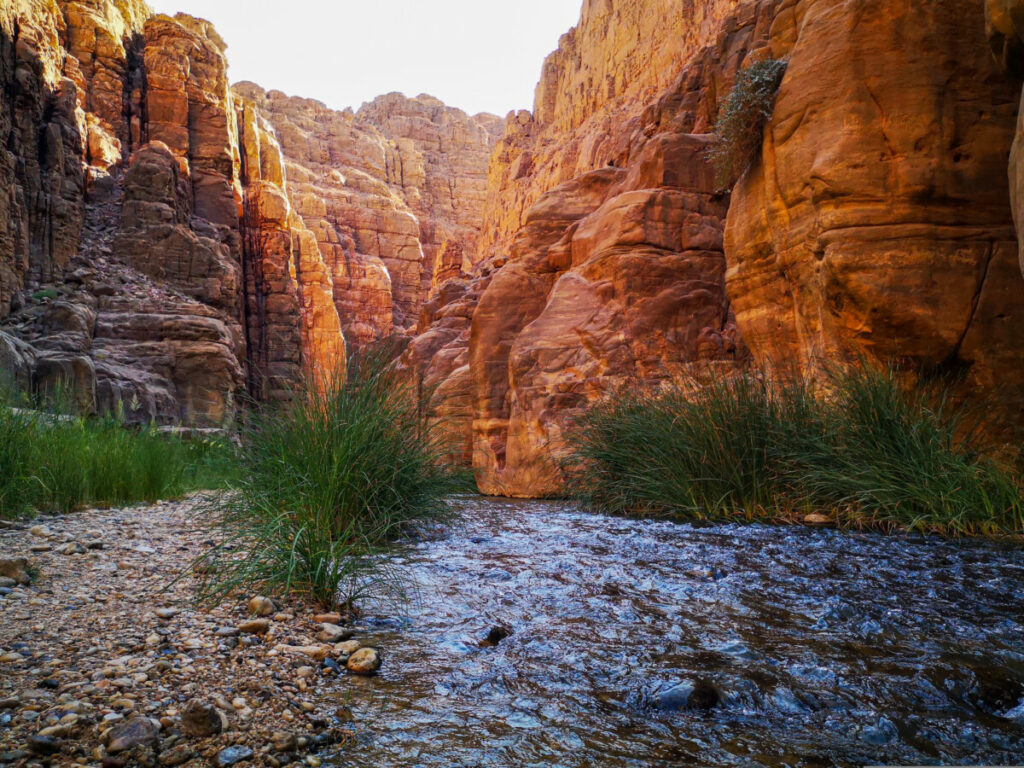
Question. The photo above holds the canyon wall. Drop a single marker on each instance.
(875, 224)
(168, 243)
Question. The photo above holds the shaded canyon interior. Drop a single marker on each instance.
(171, 244)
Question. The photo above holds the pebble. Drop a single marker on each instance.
(201, 718)
(365, 661)
(261, 606)
(816, 518)
(177, 755)
(73, 548)
(327, 618)
(131, 733)
(284, 741)
(40, 531)
(348, 647)
(167, 613)
(43, 745)
(232, 755)
(332, 633)
(255, 627)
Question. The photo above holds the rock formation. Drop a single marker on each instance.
(615, 273)
(382, 190)
(168, 242)
(877, 221)
(161, 252)
(876, 224)
(1005, 26)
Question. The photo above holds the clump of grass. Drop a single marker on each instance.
(327, 484)
(742, 117)
(58, 463)
(872, 452)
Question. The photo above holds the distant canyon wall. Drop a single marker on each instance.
(168, 243)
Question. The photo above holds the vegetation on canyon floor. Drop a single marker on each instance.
(874, 452)
(326, 483)
(58, 463)
(742, 117)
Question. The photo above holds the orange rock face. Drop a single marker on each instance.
(381, 190)
(128, 166)
(878, 221)
(1005, 25)
(617, 273)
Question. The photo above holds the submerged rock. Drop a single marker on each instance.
(699, 695)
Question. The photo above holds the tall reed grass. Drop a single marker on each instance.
(59, 463)
(326, 484)
(872, 452)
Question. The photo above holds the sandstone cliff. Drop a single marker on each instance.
(875, 224)
(877, 221)
(167, 243)
(605, 229)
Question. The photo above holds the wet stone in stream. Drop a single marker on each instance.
(646, 643)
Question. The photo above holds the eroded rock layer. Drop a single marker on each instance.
(877, 222)
(166, 243)
(604, 231)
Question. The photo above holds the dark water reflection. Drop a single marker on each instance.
(822, 647)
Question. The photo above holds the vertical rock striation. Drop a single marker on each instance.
(877, 221)
(166, 243)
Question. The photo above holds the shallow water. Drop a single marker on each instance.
(822, 648)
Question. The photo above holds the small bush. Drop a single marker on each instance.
(742, 117)
(326, 484)
(873, 453)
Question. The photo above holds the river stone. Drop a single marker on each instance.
(327, 618)
(816, 518)
(232, 755)
(167, 613)
(365, 661)
(131, 733)
(177, 755)
(201, 719)
(255, 627)
(284, 741)
(15, 568)
(43, 745)
(332, 633)
(700, 694)
(261, 606)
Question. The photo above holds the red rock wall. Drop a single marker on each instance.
(877, 222)
(162, 252)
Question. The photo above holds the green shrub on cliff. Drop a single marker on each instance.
(873, 453)
(327, 483)
(742, 117)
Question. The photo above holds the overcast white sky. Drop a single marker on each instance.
(478, 55)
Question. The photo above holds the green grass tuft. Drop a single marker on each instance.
(872, 453)
(327, 484)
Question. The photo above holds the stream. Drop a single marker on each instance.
(652, 643)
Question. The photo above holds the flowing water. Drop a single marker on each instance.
(649, 643)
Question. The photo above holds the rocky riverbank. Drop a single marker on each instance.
(105, 658)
